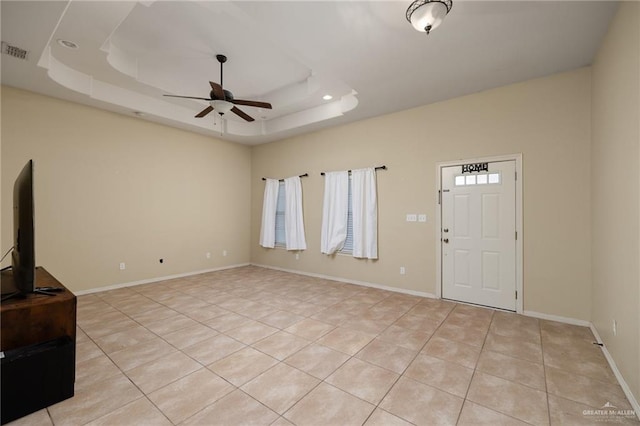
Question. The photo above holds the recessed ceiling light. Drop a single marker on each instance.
(327, 97)
(68, 44)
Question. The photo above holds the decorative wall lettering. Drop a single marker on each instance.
(475, 168)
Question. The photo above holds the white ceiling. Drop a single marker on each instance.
(289, 53)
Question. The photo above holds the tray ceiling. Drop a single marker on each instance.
(289, 53)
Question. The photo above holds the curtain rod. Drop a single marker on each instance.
(377, 168)
(282, 180)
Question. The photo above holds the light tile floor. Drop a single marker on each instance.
(256, 346)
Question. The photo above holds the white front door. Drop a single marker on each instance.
(479, 233)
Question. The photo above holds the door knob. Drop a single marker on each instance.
(446, 240)
(445, 230)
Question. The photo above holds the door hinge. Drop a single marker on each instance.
(516, 294)
(516, 175)
(516, 235)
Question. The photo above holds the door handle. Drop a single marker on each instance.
(446, 240)
(445, 230)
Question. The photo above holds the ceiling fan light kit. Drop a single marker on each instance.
(221, 107)
(427, 15)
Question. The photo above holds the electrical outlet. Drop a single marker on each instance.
(402, 270)
(224, 253)
(297, 256)
(422, 218)
(615, 327)
(208, 255)
(412, 217)
(122, 266)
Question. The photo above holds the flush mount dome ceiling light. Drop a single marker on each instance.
(427, 15)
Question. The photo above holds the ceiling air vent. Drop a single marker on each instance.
(14, 51)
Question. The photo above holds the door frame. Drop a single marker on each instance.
(519, 242)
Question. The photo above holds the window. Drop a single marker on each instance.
(350, 214)
(494, 178)
(280, 208)
(479, 179)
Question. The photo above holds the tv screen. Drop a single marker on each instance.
(23, 258)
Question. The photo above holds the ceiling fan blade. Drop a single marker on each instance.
(252, 103)
(217, 90)
(242, 114)
(204, 112)
(188, 97)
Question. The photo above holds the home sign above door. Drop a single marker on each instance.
(475, 168)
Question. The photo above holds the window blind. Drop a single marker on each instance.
(348, 243)
(280, 208)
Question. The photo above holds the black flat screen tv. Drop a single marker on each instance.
(23, 257)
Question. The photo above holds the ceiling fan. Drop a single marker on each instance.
(222, 101)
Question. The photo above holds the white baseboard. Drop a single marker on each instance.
(154, 280)
(349, 281)
(557, 318)
(616, 372)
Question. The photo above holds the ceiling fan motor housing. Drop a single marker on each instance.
(228, 96)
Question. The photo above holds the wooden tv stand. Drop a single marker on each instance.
(37, 340)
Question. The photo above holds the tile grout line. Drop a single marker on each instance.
(544, 368)
(475, 367)
(228, 288)
(408, 365)
(144, 395)
(473, 375)
(342, 364)
(177, 349)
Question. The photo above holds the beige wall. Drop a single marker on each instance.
(547, 120)
(616, 192)
(111, 189)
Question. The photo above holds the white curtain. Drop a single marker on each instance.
(334, 211)
(268, 229)
(293, 220)
(365, 213)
